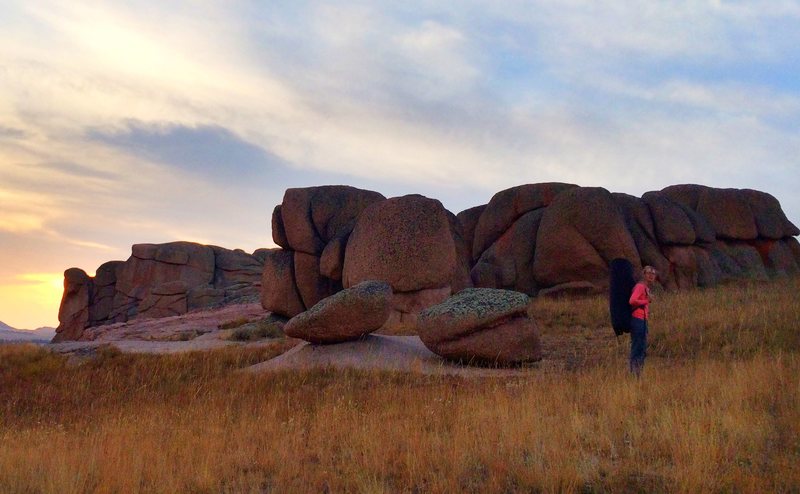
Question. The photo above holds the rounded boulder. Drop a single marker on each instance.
(407, 242)
(344, 316)
(481, 325)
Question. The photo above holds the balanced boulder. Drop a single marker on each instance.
(346, 315)
(481, 325)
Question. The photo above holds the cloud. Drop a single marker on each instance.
(209, 150)
(11, 133)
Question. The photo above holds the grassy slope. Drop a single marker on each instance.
(718, 410)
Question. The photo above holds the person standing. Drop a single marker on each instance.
(640, 305)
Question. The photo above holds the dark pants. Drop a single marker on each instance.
(638, 344)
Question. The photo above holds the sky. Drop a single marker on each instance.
(151, 121)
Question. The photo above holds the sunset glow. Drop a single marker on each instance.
(123, 124)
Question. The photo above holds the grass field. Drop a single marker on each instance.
(717, 410)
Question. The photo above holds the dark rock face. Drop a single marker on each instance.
(347, 315)
(158, 280)
(481, 325)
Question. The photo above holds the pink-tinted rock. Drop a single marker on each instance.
(405, 241)
(777, 257)
(278, 287)
(508, 262)
(73, 314)
(671, 223)
(331, 263)
(506, 206)
(469, 221)
(708, 272)
(481, 325)
(406, 307)
(580, 233)
(728, 211)
(640, 225)
(683, 265)
(103, 291)
(278, 230)
(233, 267)
(344, 316)
(311, 285)
(769, 217)
(746, 257)
(313, 216)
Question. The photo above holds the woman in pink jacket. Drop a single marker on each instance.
(640, 306)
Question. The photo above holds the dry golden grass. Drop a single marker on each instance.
(718, 409)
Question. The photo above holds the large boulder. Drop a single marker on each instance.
(580, 233)
(481, 325)
(640, 225)
(469, 221)
(73, 314)
(313, 216)
(506, 206)
(414, 244)
(311, 284)
(672, 225)
(728, 211)
(278, 286)
(771, 222)
(152, 265)
(508, 262)
(344, 316)
(407, 242)
(101, 302)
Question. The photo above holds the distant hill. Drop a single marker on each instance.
(7, 333)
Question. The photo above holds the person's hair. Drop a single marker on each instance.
(648, 269)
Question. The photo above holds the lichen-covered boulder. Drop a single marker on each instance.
(344, 316)
(481, 325)
(580, 233)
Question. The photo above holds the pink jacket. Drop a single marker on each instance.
(640, 301)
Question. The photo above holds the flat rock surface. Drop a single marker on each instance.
(375, 352)
(199, 324)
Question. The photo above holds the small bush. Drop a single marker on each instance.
(266, 328)
(235, 323)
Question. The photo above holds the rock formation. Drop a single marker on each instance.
(548, 239)
(158, 280)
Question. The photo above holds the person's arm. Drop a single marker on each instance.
(639, 296)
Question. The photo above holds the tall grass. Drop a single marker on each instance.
(698, 421)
